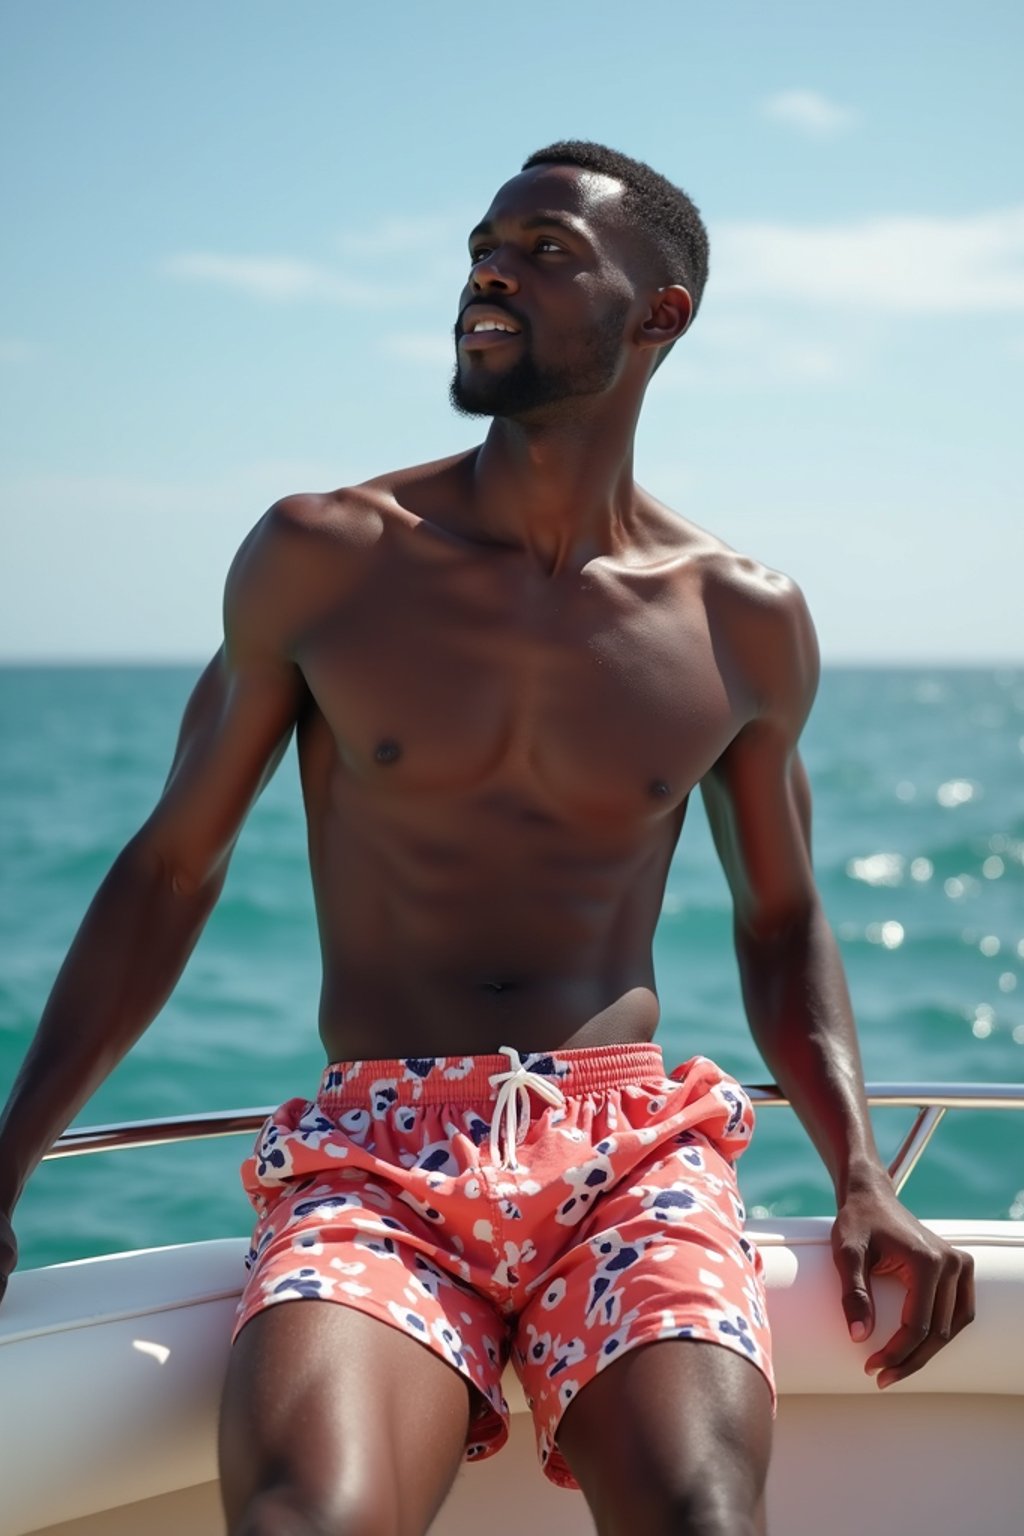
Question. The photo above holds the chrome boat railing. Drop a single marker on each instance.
(930, 1100)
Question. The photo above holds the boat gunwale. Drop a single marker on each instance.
(930, 1100)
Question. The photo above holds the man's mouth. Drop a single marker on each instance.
(491, 325)
(482, 326)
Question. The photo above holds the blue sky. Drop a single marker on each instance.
(235, 240)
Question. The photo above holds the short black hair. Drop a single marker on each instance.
(669, 219)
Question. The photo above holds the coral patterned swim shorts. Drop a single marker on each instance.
(558, 1210)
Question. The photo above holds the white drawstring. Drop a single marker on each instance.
(514, 1099)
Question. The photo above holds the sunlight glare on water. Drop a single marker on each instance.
(956, 792)
(920, 874)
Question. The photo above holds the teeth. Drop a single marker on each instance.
(493, 325)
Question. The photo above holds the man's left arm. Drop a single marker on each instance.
(758, 802)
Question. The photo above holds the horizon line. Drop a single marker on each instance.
(9, 663)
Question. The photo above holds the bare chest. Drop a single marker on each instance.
(593, 695)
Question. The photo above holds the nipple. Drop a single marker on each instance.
(388, 751)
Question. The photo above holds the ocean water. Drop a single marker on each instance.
(918, 780)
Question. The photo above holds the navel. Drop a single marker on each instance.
(387, 751)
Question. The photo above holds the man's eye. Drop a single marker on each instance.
(551, 244)
(479, 254)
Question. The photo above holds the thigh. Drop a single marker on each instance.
(676, 1429)
(344, 1415)
(662, 1259)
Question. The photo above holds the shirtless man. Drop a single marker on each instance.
(507, 671)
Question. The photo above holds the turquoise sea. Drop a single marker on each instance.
(918, 778)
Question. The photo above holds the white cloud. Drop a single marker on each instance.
(911, 264)
(293, 279)
(429, 347)
(281, 279)
(435, 242)
(433, 233)
(154, 554)
(410, 259)
(811, 361)
(14, 350)
(730, 351)
(807, 111)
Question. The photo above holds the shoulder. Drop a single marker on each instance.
(310, 522)
(758, 618)
(355, 517)
(762, 617)
(303, 549)
(301, 529)
(754, 591)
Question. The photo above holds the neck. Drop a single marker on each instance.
(562, 491)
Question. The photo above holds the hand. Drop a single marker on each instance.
(874, 1234)
(8, 1251)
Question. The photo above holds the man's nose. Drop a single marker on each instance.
(493, 275)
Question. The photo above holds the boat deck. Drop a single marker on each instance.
(111, 1368)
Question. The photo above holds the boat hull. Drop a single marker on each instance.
(111, 1368)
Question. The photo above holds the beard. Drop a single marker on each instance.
(592, 362)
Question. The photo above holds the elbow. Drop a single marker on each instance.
(175, 876)
(776, 927)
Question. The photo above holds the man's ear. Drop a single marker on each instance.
(669, 315)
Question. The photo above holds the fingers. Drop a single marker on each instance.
(858, 1306)
(938, 1305)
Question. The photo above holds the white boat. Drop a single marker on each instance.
(111, 1369)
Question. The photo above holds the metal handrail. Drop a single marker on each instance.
(157, 1133)
(931, 1102)
(931, 1105)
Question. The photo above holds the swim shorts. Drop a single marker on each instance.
(559, 1210)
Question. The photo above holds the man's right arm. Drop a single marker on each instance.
(151, 908)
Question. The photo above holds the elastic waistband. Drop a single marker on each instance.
(467, 1079)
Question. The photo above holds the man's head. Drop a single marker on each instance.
(590, 259)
